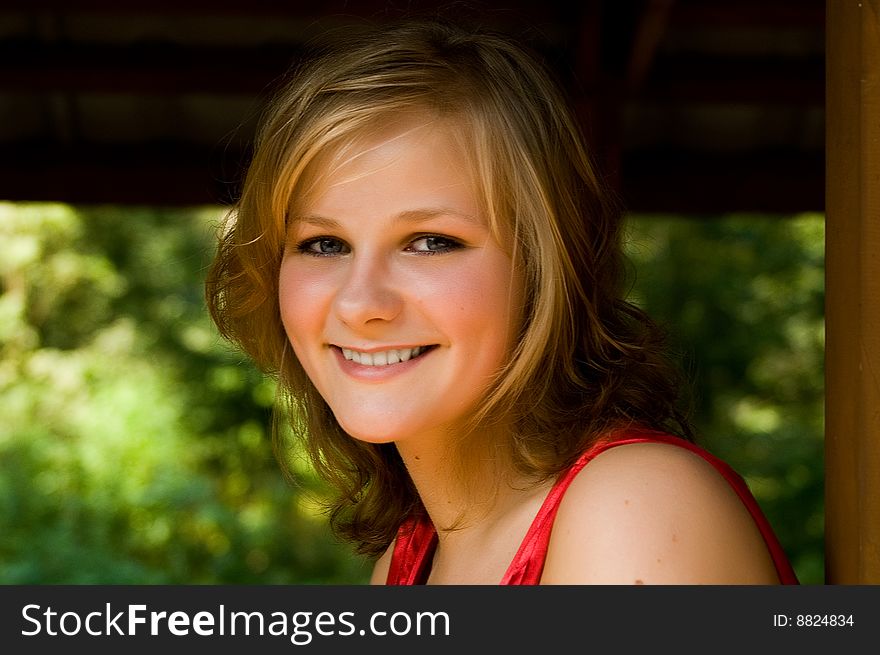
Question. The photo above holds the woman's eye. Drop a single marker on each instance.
(322, 247)
(434, 244)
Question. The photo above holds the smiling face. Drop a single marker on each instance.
(398, 301)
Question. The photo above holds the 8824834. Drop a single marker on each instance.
(813, 621)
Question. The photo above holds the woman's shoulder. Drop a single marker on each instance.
(654, 513)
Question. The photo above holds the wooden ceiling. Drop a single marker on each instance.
(694, 106)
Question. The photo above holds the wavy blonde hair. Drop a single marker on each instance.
(585, 361)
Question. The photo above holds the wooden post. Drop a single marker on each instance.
(852, 308)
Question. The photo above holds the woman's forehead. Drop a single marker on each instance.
(371, 147)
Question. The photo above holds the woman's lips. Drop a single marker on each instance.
(380, 364)
(383, 357)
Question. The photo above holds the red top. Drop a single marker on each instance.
(417, 539)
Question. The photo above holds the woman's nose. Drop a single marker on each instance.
(368, 294)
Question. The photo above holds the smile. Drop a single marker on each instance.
(384, 357)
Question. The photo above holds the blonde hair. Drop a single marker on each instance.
(585, 360)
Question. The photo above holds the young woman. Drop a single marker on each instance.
(424, 256)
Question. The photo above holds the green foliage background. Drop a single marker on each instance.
(134, 444)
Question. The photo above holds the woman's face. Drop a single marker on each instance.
(398, 301)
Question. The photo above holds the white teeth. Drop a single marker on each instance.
(382, 358)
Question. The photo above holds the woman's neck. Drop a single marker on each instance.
(482, 509)
(462, 484)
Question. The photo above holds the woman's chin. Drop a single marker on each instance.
(379, 433)
(372, 438)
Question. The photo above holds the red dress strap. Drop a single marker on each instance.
(413, 552)
(417, 540)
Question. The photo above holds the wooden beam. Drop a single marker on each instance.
(170, 174)
(147, 68)
(649, 31)
(166, 69)
(751, 13)
(195, 7)
(187, 174)
(852, 309)
(699, 183)
(597, 100)
(724, 80)
(342, 9)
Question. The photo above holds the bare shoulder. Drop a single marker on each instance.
(653, 513)
(380, 568)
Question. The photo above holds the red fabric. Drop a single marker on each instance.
(417, 539)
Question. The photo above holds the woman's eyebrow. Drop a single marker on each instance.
(426, 214)
(315, 220)
(406, 216)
